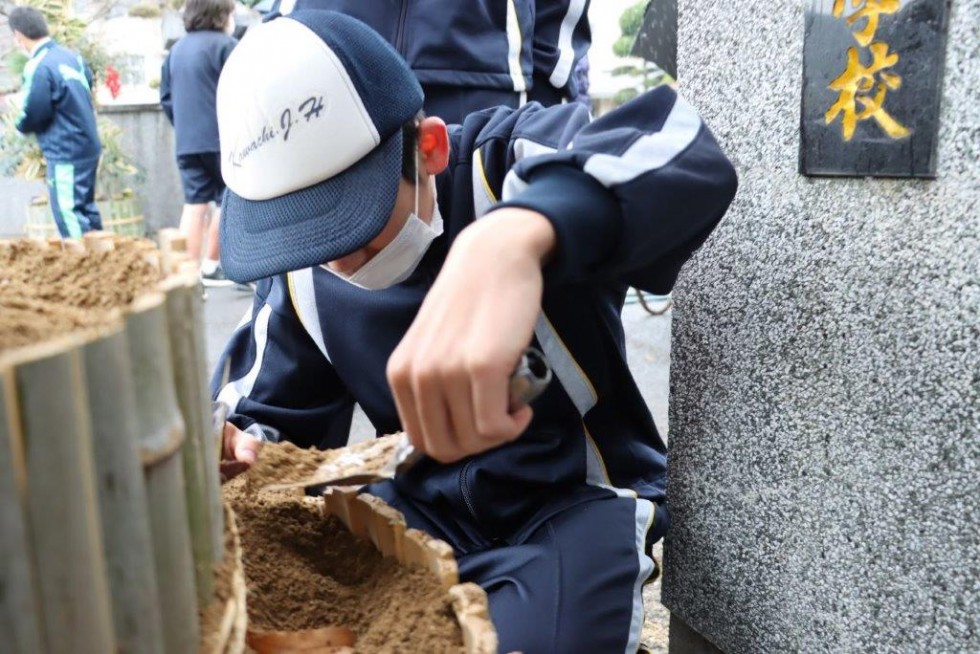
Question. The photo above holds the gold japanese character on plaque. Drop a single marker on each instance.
(868, 87)
(869, 9)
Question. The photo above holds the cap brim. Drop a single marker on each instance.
(320, 223)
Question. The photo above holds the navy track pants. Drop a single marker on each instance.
(569, 581)
(71, 187)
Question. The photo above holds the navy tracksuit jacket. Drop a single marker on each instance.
(198, 59)
(472, 54)
(556, 525)
(58, 108)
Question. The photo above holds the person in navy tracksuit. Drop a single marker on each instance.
(57, 107)
(479, 53)
(188, 83)
(404, 267)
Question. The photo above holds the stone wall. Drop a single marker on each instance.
(825, 401)
(149, 139)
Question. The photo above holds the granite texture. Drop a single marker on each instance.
(825, 390)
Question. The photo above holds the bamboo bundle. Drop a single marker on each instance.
(87, 545)
(18, 601)
(162, 434)
(65, 531)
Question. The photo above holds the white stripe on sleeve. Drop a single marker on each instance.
(233, 392)
(649, 152)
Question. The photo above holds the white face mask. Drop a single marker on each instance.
(401, 257)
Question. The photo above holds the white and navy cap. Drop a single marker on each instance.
(310, 111)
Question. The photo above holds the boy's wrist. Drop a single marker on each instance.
(527, 230)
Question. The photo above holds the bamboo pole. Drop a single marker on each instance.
(173, 246)
(162, 433)
(185, 312)
(234, 623)
(194, 406)
(19, 614)
(64, 523)
(122, 495)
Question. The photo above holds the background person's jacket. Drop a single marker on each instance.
(57, 105)
(631, 196)
(490, 44)
(188, 86)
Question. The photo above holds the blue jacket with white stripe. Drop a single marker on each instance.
(57, 105)
(631, 196)
(493, 44)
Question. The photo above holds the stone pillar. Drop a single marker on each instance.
(825, 401)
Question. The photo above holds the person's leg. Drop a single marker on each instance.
(61, 185)
(542, 91)
(197, 194)
(85, 207)
(569, 583)
(574, 583)
(192, 226)
(213, 251)
(59, 218)
(211, 271)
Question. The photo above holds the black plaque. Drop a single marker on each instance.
(872, 78)
(657, 39)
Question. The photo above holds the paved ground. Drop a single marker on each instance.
(648, 350)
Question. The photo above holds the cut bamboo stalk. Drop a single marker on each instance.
(472, 612)
(122, 495)
(416, 548)
(234, 625)
(19, 609)
(360, 516)
(195, 408)
(173, 248)
(62, 508)
(442, 562)
(209, 444)
(99, 241)
(162, 433)
(386, 528)
(322, 640)
(335, 502)
(69, 244)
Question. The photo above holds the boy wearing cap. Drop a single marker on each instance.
(405, 266)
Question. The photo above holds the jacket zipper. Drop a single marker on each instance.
(400, 34)
(464, 488)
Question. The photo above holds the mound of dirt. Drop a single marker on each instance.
(284, 463)
(49, 291)
(305, 571)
